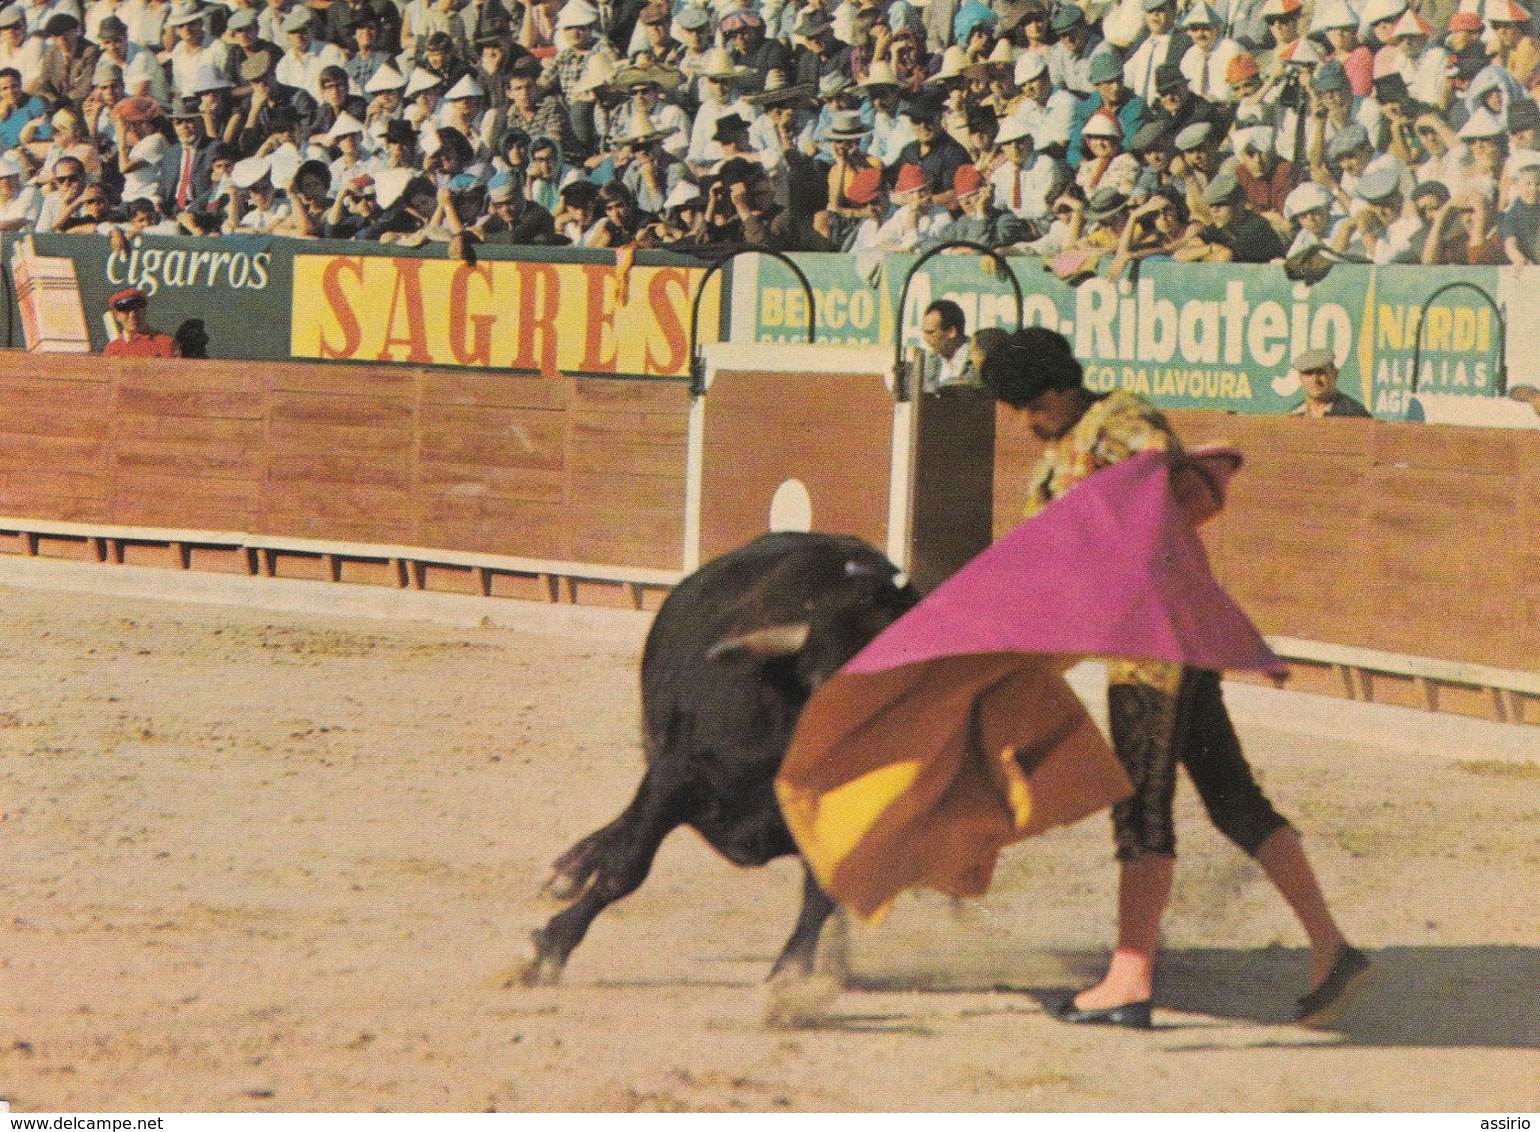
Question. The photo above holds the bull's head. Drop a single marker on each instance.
(838, 621)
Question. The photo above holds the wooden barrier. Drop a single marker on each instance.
(562, 469)
(1381, 537)
(1401, 538)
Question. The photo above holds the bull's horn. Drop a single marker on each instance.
(762, 644)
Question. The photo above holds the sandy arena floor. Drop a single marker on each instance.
(256, 860)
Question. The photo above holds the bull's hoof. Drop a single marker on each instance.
(538, 968)
(796, 1001)
(565, 887)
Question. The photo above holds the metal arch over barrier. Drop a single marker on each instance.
(1502, 333)
(697, 359)
(901, 385)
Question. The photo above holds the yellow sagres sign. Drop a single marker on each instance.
(503, 314)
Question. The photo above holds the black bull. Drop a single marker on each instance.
(730, 661)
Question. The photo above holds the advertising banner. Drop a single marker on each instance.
(1191, 336)
(580, 318)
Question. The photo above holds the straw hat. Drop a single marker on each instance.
(642, 129)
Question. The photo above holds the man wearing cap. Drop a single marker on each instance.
(1516, 50)
(651, 173)
(17, 51)
(1265, 178)
(577, 22)
(68, 62)
(720, 97)
(1376, 229)
(817, 53)
(915, 219)
(1047, 114)
(1075, 45)
(343, 17)
(249, 53)
(1207, 60)
(510, 219)
(891, 129)
(365, 56)
(1176, 107)
(1309, 210)
(1237, 234)
(135, 337)
(305, 56)
(741, 209)
(1282, 19)
(1110, 98)
(1520, 227)
(494, 62)
(20, 203)
(1025, 182)
(982, 221)
(192, 51)
(1317, 371)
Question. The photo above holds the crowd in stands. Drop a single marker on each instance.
(1093, 135)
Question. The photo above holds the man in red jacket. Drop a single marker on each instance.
(136, 339)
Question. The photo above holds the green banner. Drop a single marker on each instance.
(1192, 336)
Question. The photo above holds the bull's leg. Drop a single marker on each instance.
(801, 950)
(622, 863)
(574, 869)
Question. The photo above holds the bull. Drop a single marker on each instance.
(730, 660)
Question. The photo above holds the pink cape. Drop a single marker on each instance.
(953, 734)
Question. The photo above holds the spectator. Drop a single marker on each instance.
(1266, 180)
(135, 337)
(19, 204)
(256, 206)
(1025, 182)
(1110, 98)
(1047, 114)
(1159, 48)
(935, 153)
(947, 360)
(916, 218)
(1103, 163)
(1206, 63)
(184, 172)
(1237, 234)
(141, 147)
(1520, 228)
(1154, 147)
(982, 222)
(1158, 228)
(19, 110)
(510, 219)
(1317, 369)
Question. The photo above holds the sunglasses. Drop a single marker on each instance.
(66, 179)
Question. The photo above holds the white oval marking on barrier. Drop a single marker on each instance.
(791, 508)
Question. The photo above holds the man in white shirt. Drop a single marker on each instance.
(1048, 114)
(946, 361)
(1026, 183)
(191, 52)
(1206, 61)
(1158, 48)
(301, 64)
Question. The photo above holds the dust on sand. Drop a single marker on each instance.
(270, 861)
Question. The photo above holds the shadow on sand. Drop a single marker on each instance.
(1479, 996)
